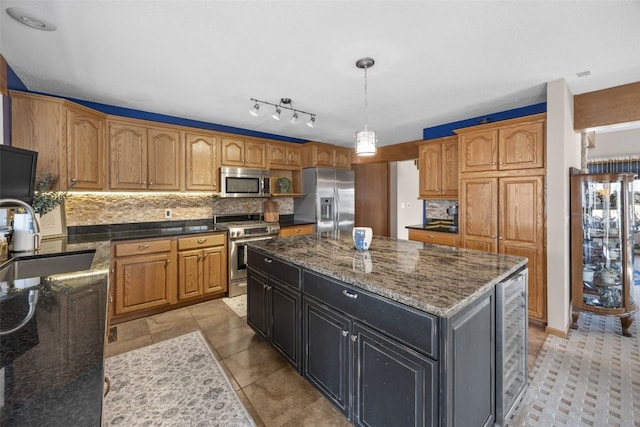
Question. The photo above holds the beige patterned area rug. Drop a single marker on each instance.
(237, 304)
(177, 382)
(592, 378)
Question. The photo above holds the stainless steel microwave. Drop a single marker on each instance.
(245, 182)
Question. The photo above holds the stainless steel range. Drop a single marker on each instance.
(242, 229)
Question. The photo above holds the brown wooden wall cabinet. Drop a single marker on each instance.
(500, 146)
(435, 237)
(284, 156)
(154, 275)
(317, 154)
(502, 196)
(86, 161)
(143, 157)
(438, 168)
(201, 167)
(94, 151)
(296, 230)
(38, 124)
(243, 153)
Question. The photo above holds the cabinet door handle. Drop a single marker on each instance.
(201, 241)
(345, 333)
(500, 238)
(493, 236)
(268, 261)
(354, 338)
(168, 261)
(143, 246)
(349, 294)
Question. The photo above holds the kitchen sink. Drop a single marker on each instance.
(41, 266)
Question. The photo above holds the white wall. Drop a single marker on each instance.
(563, 152)
(617, 143)
(408, 208)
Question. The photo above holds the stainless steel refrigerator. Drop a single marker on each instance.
(329, 199)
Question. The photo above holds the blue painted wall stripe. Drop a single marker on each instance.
(448, 128)
(14, 83)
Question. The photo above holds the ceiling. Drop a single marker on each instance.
(435, 61)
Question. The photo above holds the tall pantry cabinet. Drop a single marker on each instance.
(502, 196)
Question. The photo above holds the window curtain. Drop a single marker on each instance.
(625, 164)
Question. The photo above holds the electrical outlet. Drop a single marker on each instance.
(167, 213)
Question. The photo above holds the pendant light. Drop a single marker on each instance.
(365, 139)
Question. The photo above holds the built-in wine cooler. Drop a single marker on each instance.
(511, 340)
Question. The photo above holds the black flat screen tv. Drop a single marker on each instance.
(17, 173)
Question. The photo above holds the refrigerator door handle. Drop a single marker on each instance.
(336, 209)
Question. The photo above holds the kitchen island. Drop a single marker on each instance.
(403, 334)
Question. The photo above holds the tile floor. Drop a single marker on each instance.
(268, 386)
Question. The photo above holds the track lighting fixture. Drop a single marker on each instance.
(286, 104)
(365, 139)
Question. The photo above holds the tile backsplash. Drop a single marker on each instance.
(438, 208)
(117, 208)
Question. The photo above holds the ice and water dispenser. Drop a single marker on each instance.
(326, 208)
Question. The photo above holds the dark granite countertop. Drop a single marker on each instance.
(54, 364)
(438, 225)
(288, 220)
(436, 279)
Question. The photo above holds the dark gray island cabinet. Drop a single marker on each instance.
(382, 362)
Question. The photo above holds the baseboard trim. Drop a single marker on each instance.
(559, 332)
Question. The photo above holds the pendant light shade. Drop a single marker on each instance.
(366, 141)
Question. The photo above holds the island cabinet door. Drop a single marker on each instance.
(285, 321)
(393, 385)
(327, 352)
(468, 365)
(257, 308)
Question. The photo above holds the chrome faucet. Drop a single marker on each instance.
(34, 218)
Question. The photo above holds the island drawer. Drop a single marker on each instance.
(142, 247)
(203, 241)
(405, 324)
(284, 272)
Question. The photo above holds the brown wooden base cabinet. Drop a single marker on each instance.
(435, 237)
(153, 275)
(296, 230)
(506, 215)
(202, 266)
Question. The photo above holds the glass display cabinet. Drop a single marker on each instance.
(602, 246)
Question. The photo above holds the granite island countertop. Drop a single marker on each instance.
(440, 280)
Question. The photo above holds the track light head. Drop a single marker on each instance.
(276, 114)
(255, 110)
(311, 121)
(294, 118)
